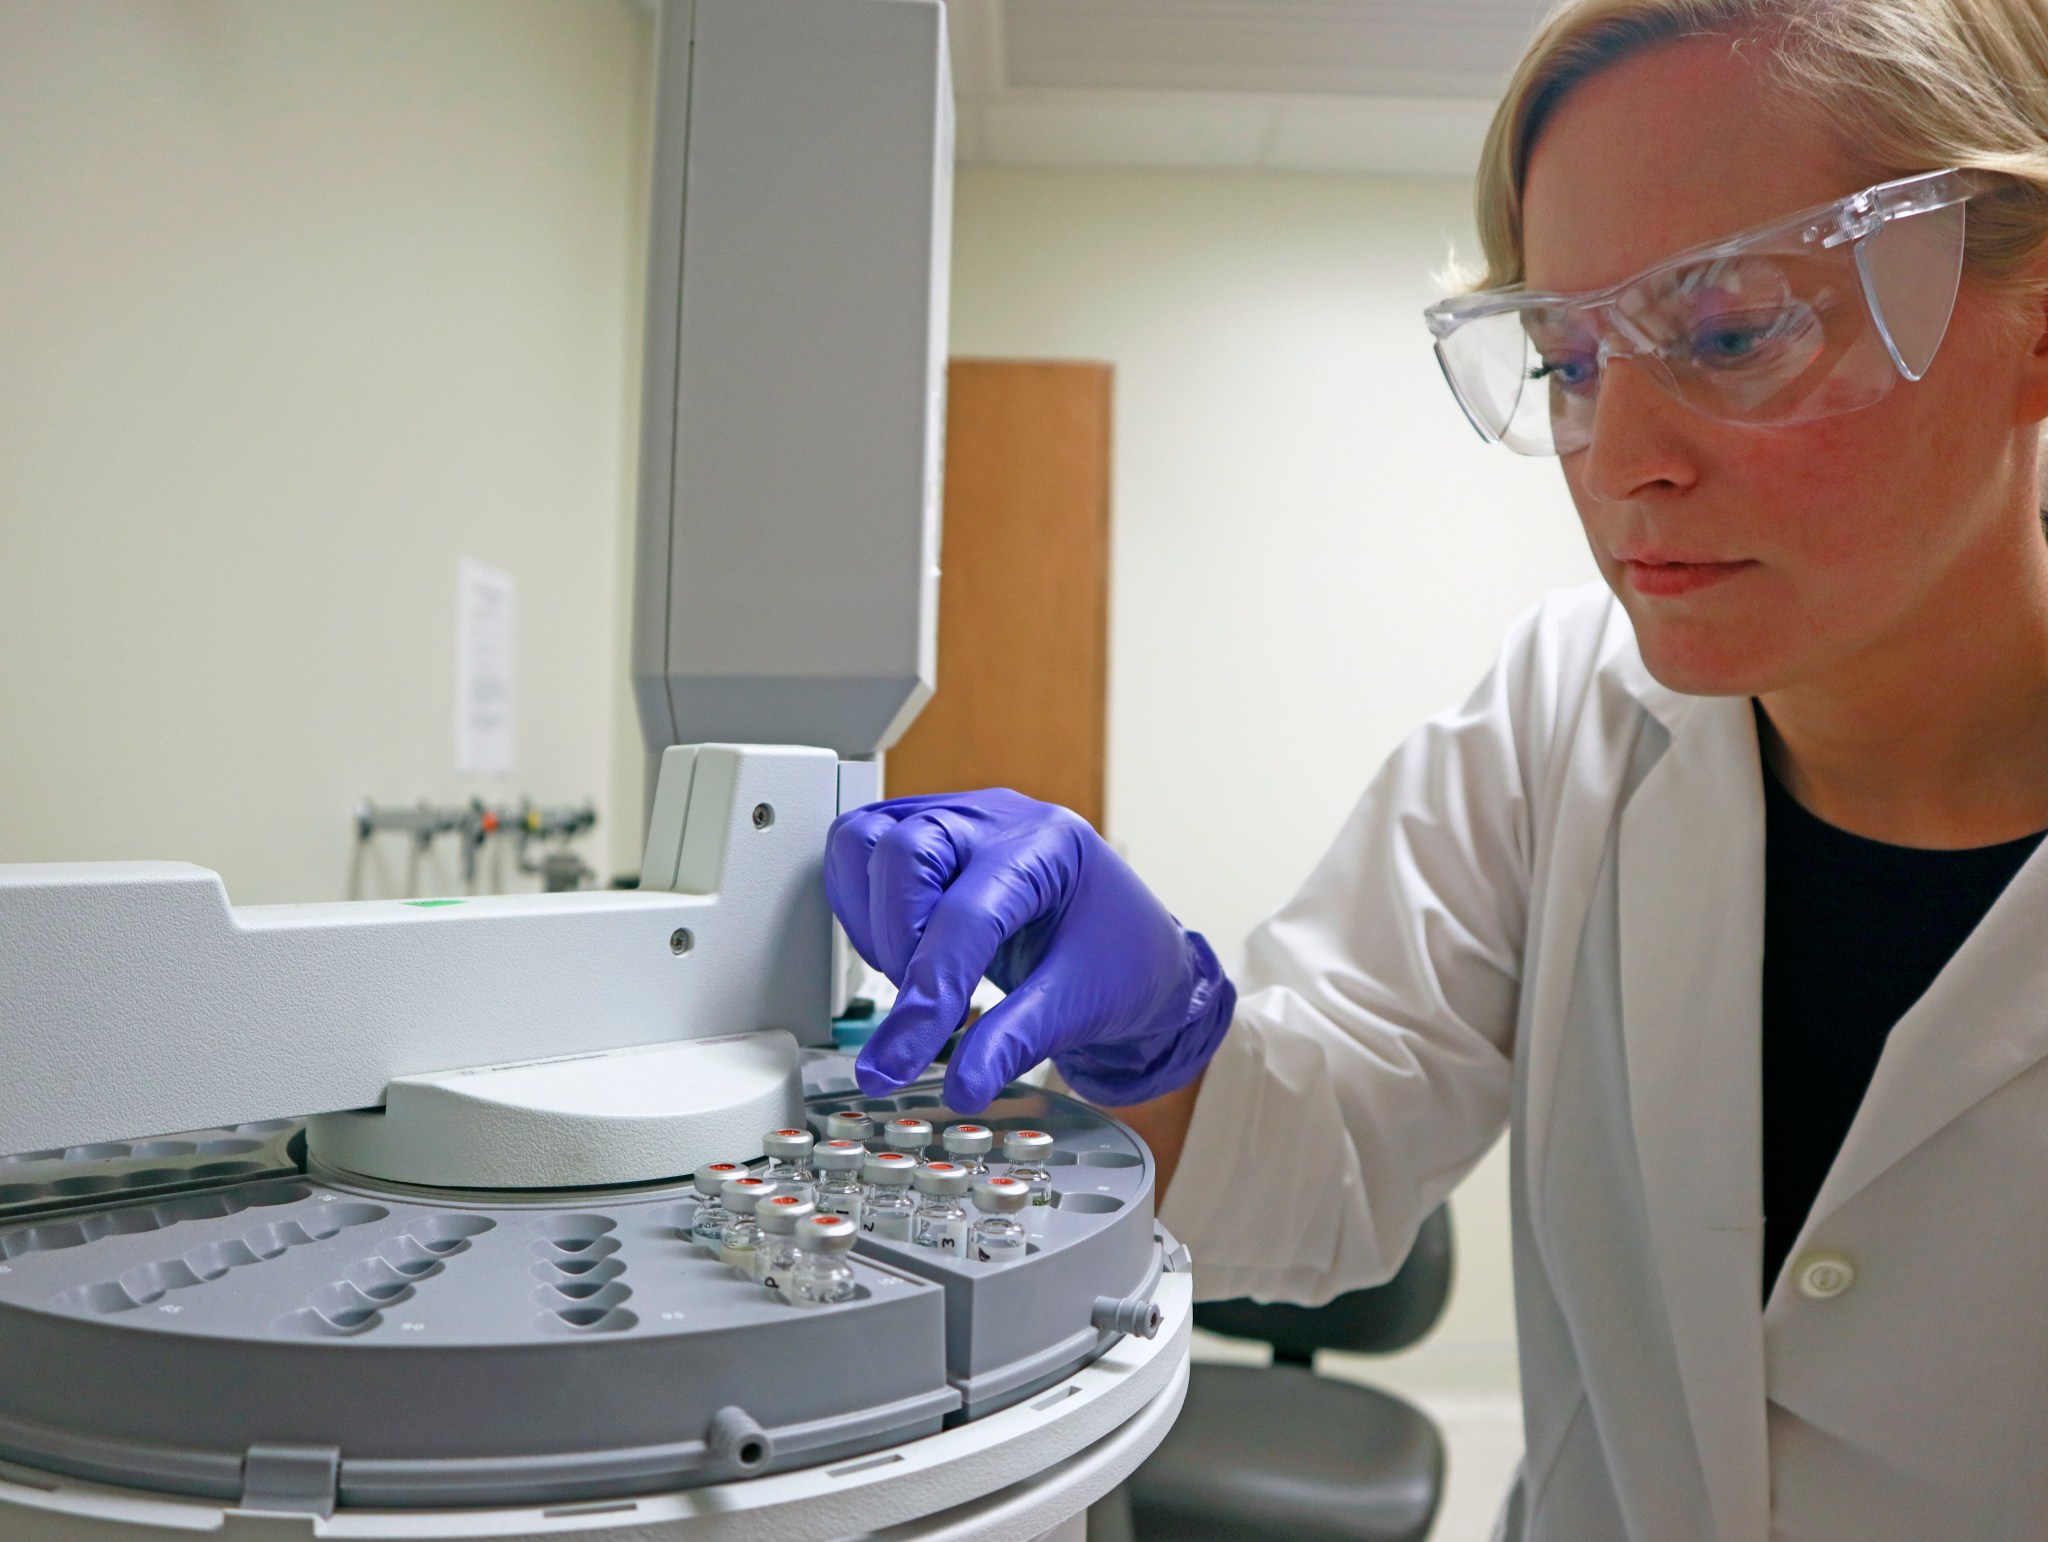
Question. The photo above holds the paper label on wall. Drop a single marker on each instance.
(486, 607)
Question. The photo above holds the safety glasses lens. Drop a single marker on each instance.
(1911, 268)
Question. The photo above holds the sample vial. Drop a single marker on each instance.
(709, 1223)
(840, 1190)
(822, 1274)
(910, 1136)
(778, 1216)
(850, 1124)
(941, 1220)
(742, 1234)
(968, 1144)
(1026, 1152)
(998, 1237)
(789, 1161)
(889, 1206)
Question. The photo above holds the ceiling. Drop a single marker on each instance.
(1398, 86)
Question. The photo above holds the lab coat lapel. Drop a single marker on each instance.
(1691, 891)
(1982, 1022)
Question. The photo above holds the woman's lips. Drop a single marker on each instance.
(1659, 580)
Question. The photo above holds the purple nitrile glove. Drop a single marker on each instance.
(938, 891)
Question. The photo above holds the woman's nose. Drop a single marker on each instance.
(1635, 443)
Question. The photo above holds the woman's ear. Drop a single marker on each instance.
(2032, 404)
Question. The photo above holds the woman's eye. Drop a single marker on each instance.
(1569, 373)
(1733, 341)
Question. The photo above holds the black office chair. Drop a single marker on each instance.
(1262, 1454)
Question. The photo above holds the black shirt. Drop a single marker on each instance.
(1855, 931)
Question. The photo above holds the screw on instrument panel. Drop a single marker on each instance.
(764, 815)
(680, 941)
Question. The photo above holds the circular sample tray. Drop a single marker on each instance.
(306, 1341)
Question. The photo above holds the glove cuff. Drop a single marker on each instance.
(1137, 1070)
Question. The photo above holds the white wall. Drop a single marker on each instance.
(1312, 551)
(298, 304)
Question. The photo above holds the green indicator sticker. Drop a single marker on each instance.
(433, 904)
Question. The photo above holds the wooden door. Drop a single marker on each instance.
(1023, 692)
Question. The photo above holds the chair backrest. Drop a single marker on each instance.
(1375, 1321)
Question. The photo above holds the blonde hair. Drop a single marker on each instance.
(1914, 85)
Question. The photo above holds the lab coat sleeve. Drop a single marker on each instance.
(1368, 1067)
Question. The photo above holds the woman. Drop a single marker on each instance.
(1720, 892)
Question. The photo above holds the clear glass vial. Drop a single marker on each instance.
(709, 1223)
(941, 1220)
(850, 1124)
(789, 1161)
(912, 1137)
(889, 1206)
(997, 1236)
(823, 1272)
(840, 1190)
(1026, 1151)
(742, 1234)
(778, 1216)
(969, 1145)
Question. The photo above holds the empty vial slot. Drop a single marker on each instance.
(348, 1308)
(105, 1297)
(15, 1193)
(32, 1156)
(107, 1152)
(152, 1282)
(585, 1319)
(409, 1258)
(447, 1233)
(1086, 1204)
(382, 1282)
(1059, 1158)
(223, 1148)
(573, 1276)
(263, 1127)
(213, 1259)
(307, 1320)
(226, 1169)
(166, 1148)
(574, 1295)
(153, 1177)
(573, 1233)
(87, 1183)
(577, 1263)
(1110, 1159)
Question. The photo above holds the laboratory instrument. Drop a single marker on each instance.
(424, 1263)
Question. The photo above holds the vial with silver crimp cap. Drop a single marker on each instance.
(889, 1207)
(941, 1221)
(840, 1190)
(850, 1124)
(912, 1137)
(1026, 1152)
(708, 1225)
(822, 1274)
(742, 1234)
(969, 1145)
(998, 1237)
(779, 1215)
(789, 1161)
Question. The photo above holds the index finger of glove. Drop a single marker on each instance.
(988, 903)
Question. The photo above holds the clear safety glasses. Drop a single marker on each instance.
(1816, 314)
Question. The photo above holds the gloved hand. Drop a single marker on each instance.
(937, 891)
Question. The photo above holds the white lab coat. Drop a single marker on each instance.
(1547, 911)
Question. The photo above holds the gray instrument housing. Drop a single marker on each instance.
(786, 578)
